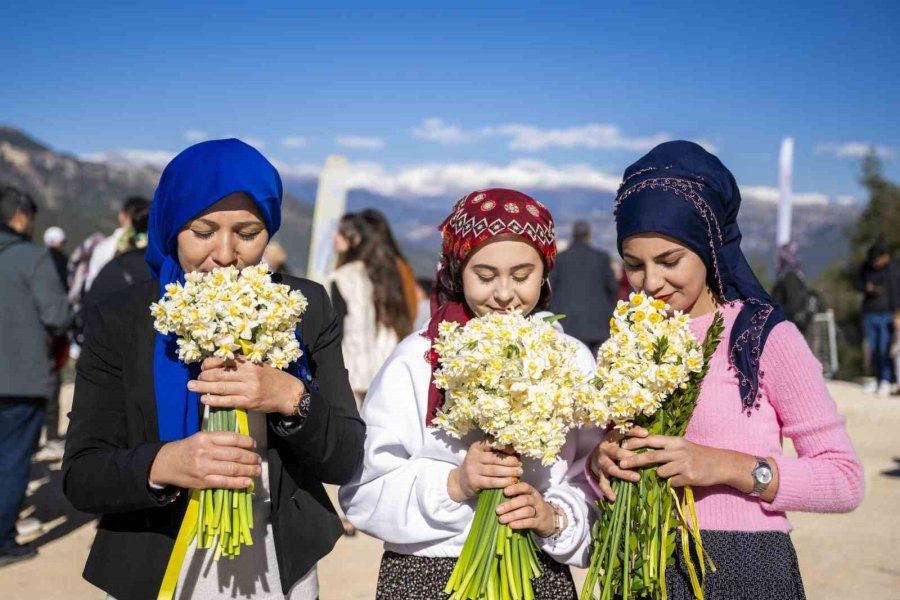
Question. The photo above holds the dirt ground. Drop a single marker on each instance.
(841, 556)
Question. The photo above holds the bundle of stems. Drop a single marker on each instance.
(635, 537)
(496, 562)
(225, 517)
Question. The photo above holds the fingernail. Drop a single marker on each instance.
(192, 386)
(521, 471)
(258, 470)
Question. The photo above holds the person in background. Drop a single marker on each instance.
(412, 292)
(33, 306)
(368, 296)
(129, 266)
(276, 257)
(55, 241)
(584, 288)
(879, 281)
(117, 242)
(790, 290)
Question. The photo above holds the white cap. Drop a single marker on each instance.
(54, 235)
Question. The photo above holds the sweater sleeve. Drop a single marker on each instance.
(826, 475)
(400, 496)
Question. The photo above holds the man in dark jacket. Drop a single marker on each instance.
(33, 307)
(584, 288)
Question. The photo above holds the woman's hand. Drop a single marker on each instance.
(686, 463)
(239, 383)
(484, 468)
(527, 509)
(208, 459)
(606, 457)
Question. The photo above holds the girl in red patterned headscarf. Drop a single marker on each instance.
(418, 485)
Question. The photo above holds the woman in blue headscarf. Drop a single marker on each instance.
(676, 222)
(134, 447)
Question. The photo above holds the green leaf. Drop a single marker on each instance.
(551, 319)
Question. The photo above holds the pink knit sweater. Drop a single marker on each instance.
(825, 477)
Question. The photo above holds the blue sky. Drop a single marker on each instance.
(425, 100)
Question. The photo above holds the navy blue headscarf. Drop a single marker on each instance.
(195, 180)
(680, 190)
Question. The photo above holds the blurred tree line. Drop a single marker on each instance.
(880, 220)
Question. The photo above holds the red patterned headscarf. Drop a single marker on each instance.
(476, 218)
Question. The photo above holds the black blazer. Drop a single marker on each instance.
(113, 439)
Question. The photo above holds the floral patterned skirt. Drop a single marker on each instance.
(407, 577)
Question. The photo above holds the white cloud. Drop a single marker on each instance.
(441, 179)
(855, 150)
(301, 171)
(531, 138)
(294, 141)
(253, 141)
(196, 135)
(359, 142)
(592, 135)
(845, 200)
(131, 157)
(448, 179)
(770, 195)
(436, 130)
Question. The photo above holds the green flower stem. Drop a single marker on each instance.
(626, 562)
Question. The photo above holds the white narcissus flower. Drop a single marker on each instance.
(648, 356)
(515, 379)
(228, 311)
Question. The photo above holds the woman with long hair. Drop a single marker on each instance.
(368, 296)
(412, 292)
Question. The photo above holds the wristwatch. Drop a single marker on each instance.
(762, 476)
(295, 421)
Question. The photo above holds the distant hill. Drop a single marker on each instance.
(84, 197)
(818, 228)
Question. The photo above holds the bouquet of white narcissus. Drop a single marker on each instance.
(224, 313)
(517, 380)
(648, 373)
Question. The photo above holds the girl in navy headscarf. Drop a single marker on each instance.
(134, 440)
(676, 220)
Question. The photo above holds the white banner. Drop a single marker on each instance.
(331, 203)
(785, 176)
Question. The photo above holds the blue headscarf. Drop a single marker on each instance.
(194, 181)
(680, 190)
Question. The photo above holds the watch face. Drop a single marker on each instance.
(763, 475)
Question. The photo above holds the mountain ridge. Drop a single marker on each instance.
(85, 195)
